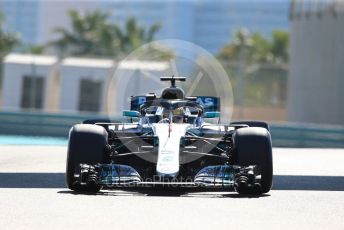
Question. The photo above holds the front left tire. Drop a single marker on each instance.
(87, 144)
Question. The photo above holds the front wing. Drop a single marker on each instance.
(217, 176)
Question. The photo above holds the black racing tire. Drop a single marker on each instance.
(253, 147)
(93, 121)
(87, 144)
(252, 124)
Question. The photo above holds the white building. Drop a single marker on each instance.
(316, 77)
(77, 84)
(27, 81)
(83, 83)
(100, 85)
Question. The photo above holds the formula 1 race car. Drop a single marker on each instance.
(170, 144)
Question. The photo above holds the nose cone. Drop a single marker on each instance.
(169, 147)
(168, 173)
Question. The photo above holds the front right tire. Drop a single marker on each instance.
(253, 147)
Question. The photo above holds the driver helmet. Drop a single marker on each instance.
(178, 115)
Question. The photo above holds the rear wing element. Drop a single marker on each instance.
(137, 101)
(210, 104)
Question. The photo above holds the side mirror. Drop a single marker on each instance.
(211, 115)
(131, 113)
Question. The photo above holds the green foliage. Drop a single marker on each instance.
(34, 49)
(8, 41)
(266, 87)
(279, 47)
(133, 36)
(93, 35)
(256, 48)
(257, 66)
(260, 49)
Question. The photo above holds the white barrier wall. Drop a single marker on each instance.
(316, 79)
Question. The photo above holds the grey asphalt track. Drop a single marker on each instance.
(308, 193)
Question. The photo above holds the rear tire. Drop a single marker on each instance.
(87, 144)
(93, 121)
(260, 124)
(253, 147)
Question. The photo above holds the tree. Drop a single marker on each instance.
(257, 66)
(90, 35)
(132, 36)
(8, 41)
(233, 51)
(93, 35)
(258, 49)
(279, 46)
(33, 49)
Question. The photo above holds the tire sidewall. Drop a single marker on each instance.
(253, 147)
(86, 145)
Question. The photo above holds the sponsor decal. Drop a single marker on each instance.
(205, 101)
